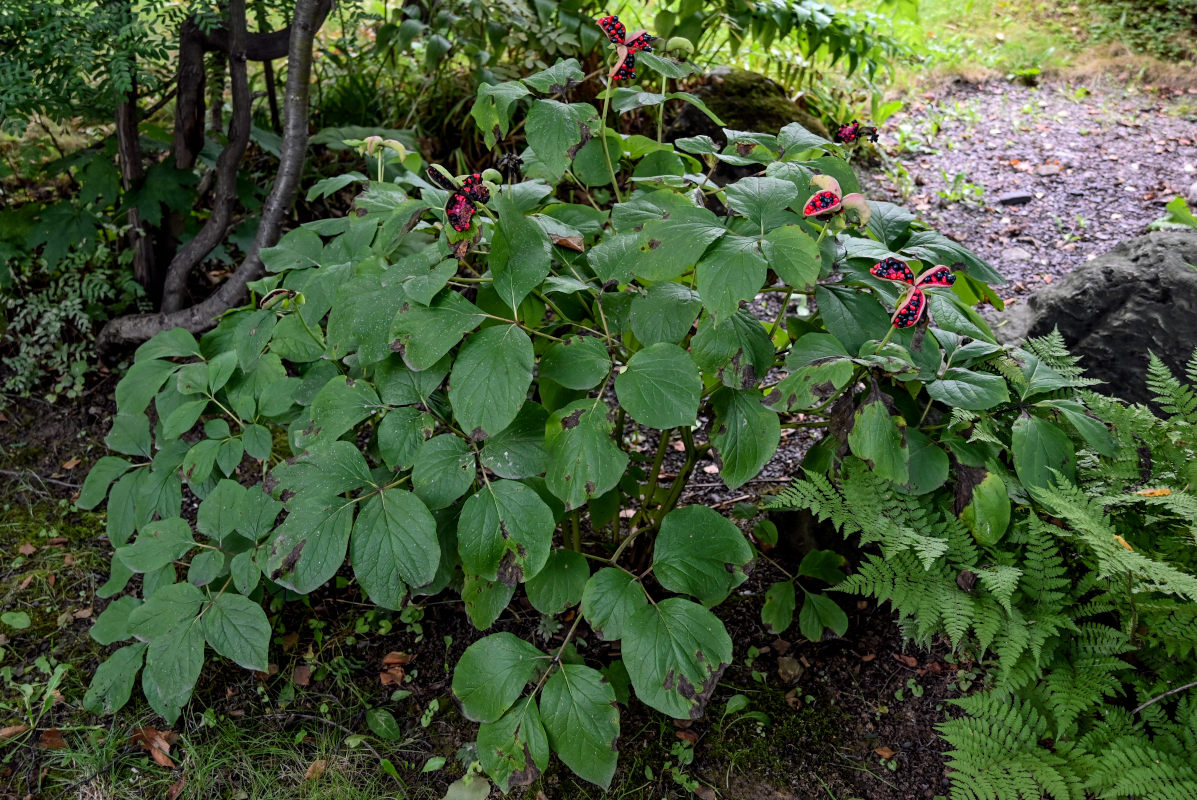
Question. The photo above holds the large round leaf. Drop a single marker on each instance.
(745, 436)
(610, 599)
(578, 362)
(492, 673)
(578, 709)
(394, 543)
(675, 652)
(237, 628)
(660, 387)
(701, 553)
(504, 532)
(560, 584)
(514, 749)
(1039, 447)
(583, 460)
(309, 547)
(444, 470)
(490, 378)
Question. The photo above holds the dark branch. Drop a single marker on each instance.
(224, 203)
(125, 331)
(262, 46)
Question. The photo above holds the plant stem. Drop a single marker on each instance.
(661, 109)
(575, 530)
(606, 149)
(679, 483)
(654, 473)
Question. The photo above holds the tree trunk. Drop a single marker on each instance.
(126, 331)
(224, 202)
(132, 173)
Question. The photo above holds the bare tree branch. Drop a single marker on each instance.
(125, 331)
(262, 46)
(174, 290)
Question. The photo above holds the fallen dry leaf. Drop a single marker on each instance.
(74, 462)
(82, 613)
(1154, 492)
(909, 661)
(885, 752)
(1123, 542)
(57, 541)
(11, 731)
(788, 669)
(868, 657)
(570, 242)
(793, 700)
(176, 788)
(301, 675)
(27, 549)
(706, 793)
(711, 469)
(316, 769)
(157, 743)
(392, 673)
(687, 736)
(51, 739)
(290, 640)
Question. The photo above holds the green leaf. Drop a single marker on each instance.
(173, 343)
(424, 334)
(824, 565)
(340, 405)
(332, 469)
(492, 673)
(583, 460)
(577, 706)
(935, 248)
(793, 255)
(665, 313)
(697, 103)
(675, 653)
(666, 247)
(253, 332)
(701, 553)
(130, 434)
(297, 249)
(172, 666)
(245, 572)
(309, 547)
(258, 442)
(158, 544)
(763, 200)
(198, 463)
(660, 387)
(257, 513)
(490, 378)
(18, 620)
(1093, 431)
(737, 350)
(578, 362)
(778, 611)
(183, 418)
(877, 438)
(557, 78)
(394, 542)
(444, 471)
(889, 223)
(733, 270)
(987, 514)
(237, 628)
(818, 612)
(560, 584)
(142, 382)
(383, 724)
(484, 600)
(493, 109)
(745, 435)
(963, 388)
(610, 599)
(166, 609)
(112, 683)
(663, 66)
(793, 140)
(398, 385)
(514, 749)
(850, 316)
(949, 314)
(1040, 447)
(1039, 376)
(205, 567)
(113, 623)
(504, 532)
(520, 253)
(555, 131)
(401, 434)
(811, 386)
(625, 99)
(928, 463)
(99, 478)
(518, 450)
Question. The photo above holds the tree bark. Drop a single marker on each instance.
(132, 170)
(189, 108)
(224, 202)
(268, 73)
(123, 332)
(263, 46)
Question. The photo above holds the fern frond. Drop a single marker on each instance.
(1171, 395)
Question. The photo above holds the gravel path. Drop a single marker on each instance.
(1094, 165)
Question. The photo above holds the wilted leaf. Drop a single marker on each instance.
(157, 743)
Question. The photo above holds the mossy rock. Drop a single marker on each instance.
(745, 101)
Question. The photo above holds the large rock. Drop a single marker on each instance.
(1139, 297)
(745, 101)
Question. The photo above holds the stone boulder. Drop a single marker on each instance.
(745, 101)
(1139, 297)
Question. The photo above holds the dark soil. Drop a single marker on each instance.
(1099, 162)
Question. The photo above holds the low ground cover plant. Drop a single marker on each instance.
(441, 392)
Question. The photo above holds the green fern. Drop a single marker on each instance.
(1172, 396)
